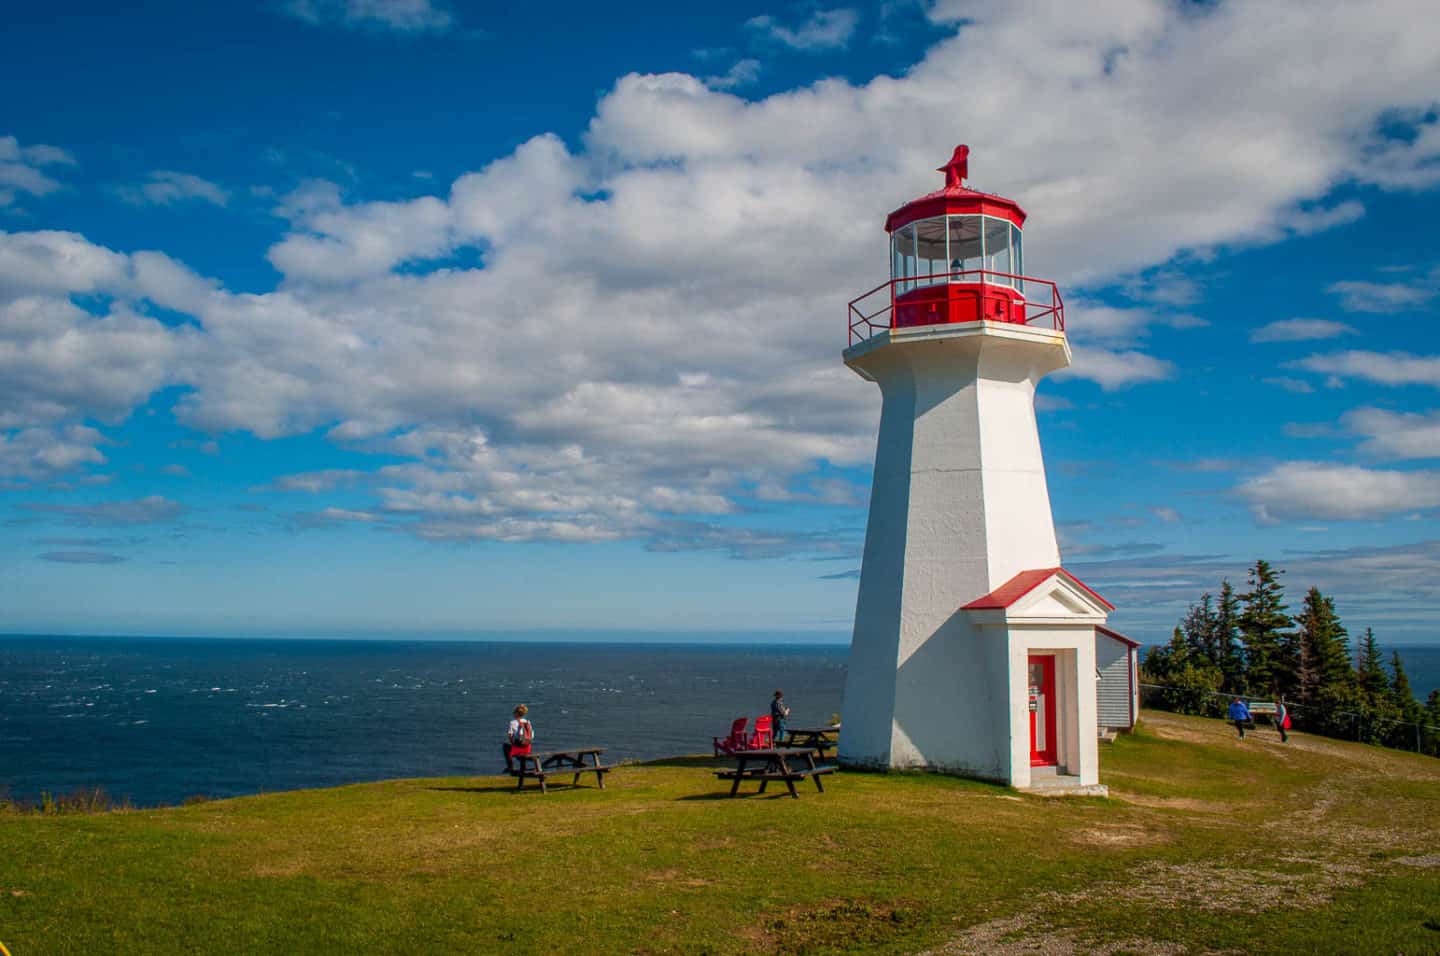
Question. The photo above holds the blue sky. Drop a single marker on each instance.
(341, 316)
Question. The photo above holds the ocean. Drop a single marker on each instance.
(158, 720)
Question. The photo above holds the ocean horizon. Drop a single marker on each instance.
(157, 720)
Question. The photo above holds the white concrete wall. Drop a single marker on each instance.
(958, 505)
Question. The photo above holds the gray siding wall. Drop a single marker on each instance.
(1112, 690)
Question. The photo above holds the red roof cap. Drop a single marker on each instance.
(1025, 582)
(956, 198)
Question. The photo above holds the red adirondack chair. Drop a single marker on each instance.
(737, 739)
(763, 738)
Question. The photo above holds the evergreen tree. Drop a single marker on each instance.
(1228, 651)
(1408, 709)
(1374, 701)
(1324, 649)
(1189, 681)
(1272, 655)
(1198, 628)
(1432, 722)
(1370, 671)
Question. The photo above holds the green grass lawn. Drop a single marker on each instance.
(1206, 844)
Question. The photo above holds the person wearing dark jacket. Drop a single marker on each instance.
(778, 714)
(1240, 714)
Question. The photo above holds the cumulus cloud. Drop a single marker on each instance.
(1385, 368)
(404, 16)
(1300, 330)
(1395, 436)
(649, 344)
(742, 73)
(165, 187)
(22, 169)
(821, 30)
(42, 453)
(1316, 490)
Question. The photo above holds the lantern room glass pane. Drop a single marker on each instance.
(965, 249)
(904, 267)
(997, 248)
(930, 250)
(1017, 258)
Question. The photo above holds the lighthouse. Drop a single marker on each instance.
(974, 649)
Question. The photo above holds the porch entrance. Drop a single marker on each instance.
(1042, 710)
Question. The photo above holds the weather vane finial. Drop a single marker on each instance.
(958, 169)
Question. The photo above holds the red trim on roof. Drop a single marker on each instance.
(1023, 583)
(1102, 629)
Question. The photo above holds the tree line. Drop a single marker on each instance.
(1248, 645)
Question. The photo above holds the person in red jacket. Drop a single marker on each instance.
(1282, 720)
(518, 737)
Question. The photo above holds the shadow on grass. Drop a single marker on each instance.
(726, 795)
(692, 760)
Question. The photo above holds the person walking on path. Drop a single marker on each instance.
(1240, 714)
(1282, 720)
(518, 737)
(778, 714)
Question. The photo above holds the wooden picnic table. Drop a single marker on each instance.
(822, 739)
(549, 763)
(773, 764)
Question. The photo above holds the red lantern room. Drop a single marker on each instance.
(956, 256)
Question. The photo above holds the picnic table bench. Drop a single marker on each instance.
(552, 763)
(821, 739)
(773, 764)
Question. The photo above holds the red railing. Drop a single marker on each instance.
(865, 323)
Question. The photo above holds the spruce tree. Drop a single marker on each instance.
(1407, 735)
(1198, 627)
(1271, 654)
(1376, 703)
(1228, 652)
(1370, 670)
(1324, 649)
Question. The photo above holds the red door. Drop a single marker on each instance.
(1042, 710)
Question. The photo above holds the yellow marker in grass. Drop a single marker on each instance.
(3, 950)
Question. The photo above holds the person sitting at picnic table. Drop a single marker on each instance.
(1240, 714)
(778, 713)
(518, 737)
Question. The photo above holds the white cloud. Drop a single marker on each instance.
(150, 510)
(405, 16)
(1382, 297)
(742, 73)
(41, 453)
(1395, 436)
(1112, 369)
(1300, 330)
(1386, 368)
(165, 187)
(1304, 490)
(22, 169)
(822, 30)
(651, 333)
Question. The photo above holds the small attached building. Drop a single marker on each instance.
(1117, 681)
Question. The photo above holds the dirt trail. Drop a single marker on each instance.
(1300, 857)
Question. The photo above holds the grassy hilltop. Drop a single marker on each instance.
(1206, 844)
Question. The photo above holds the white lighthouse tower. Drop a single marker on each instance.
(974, 651)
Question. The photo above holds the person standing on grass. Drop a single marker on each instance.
(1240, 714)
(1282, 719)
(778, 713)
(518, 737)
